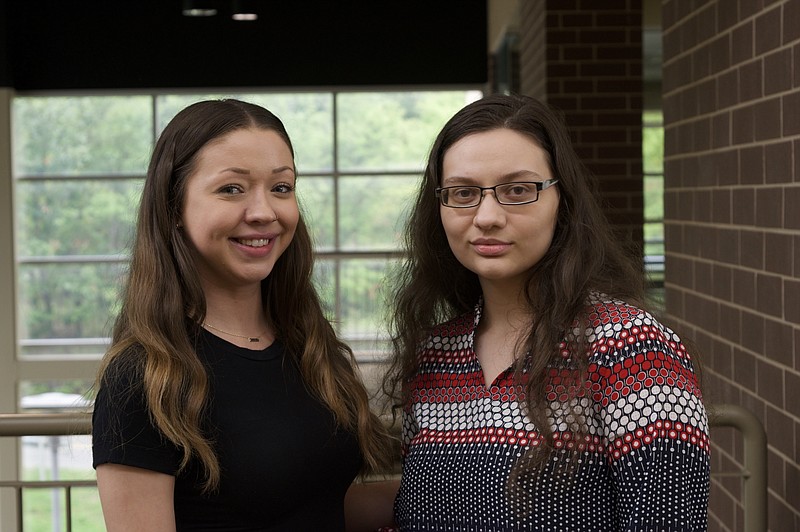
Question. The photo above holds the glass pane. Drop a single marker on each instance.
(392, 130)
(58, 457)
(654, 198)
(308, 118)
(654, 251)
(363, 303)
(75, 217)
(45, 509)
(315, 196)
(362, 285)
(82, 135)
(654, 239)
(74, 395)
(653, 143)
(653, 154)
(373, 209)
(325, 281)
(61, 302)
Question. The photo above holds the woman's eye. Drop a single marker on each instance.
(231, 189)
(518, 191)
(283, 188)
(463, 193)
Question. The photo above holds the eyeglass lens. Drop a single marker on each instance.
(506, 193)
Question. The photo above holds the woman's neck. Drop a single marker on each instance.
(505, 320)
(241, 313)
(505, 306)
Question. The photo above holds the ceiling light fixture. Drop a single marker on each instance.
(244, 10)
(199, 8)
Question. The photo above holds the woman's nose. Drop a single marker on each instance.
(489, 211)
(260, 208)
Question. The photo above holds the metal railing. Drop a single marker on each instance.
(753, 472)
(754, 466)
(18, 425)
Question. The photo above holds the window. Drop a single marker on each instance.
(653, 154)
(79, 165)
(653, 158)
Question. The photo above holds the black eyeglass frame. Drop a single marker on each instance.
(540, 185)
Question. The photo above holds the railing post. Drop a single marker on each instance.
(20, 525)
(755, 461)
(68, 504)
(18, 425)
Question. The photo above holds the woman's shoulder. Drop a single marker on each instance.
(121, 385)
(603, 309)
(614, 324)
(123, 364)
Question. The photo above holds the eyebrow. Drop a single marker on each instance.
(244, 171)
(503, 179)
(282, 169)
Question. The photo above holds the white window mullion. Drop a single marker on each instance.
(9, 459)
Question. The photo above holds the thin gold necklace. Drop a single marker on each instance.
(248, 338)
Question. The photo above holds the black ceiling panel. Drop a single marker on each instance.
(149, 44)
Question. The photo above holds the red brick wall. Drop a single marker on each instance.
(732, 225)
(585, 58)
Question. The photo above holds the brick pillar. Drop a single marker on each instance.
(532, 49)
(585, 58)
(732, 225)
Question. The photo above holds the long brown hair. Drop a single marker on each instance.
(585, 256)
(163, 303)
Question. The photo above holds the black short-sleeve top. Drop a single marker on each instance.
(285, 465)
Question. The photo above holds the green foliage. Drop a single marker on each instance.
(72, 386)
(391, 131)
(316, 198)
(75, 217)
(361, 296)
(80, 163)
(653, 160)
(308, 118)
(68, 300)
(38, 512)
(89, 135)
(381, 202)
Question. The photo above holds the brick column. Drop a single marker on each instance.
(585, 58)
(732, 225)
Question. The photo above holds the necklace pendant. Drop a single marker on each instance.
(253, 339)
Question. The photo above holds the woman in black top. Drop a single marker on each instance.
(226, 401)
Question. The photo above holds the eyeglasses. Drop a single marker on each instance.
(517, 193)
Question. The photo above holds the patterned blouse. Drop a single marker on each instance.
(643, 464)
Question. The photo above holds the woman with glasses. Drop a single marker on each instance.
(536, 392)
(226, 401)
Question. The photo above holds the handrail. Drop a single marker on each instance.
(61, 424)
(754, 468)
(72, 424)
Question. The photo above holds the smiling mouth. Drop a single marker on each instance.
(253, 242)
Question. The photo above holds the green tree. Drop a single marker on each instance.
(79, 164)
(59, 214)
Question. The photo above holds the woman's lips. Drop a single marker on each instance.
(490, 248)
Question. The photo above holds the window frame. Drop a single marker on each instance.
(73, 367)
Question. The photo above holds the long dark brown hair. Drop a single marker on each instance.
(585, 256)
(163, 303)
